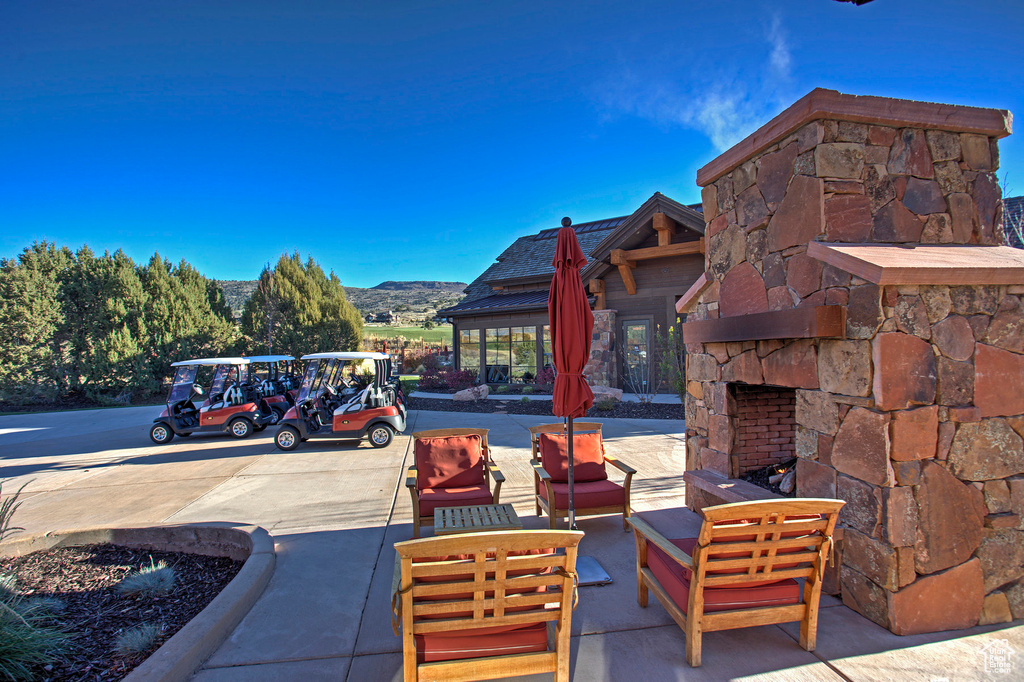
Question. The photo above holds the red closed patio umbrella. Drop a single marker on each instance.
(572, 325)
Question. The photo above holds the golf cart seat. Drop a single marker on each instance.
(234, 396)
(356, 403)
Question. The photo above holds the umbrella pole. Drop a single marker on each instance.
(572, 502)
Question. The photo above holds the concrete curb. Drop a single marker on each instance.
(185, 652)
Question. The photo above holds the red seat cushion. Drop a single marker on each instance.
(587, 494)
(587, 456)
(449, 461)
(675, 579)
(453, 646)
(432, 498)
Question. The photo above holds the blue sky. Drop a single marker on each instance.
(415, 140)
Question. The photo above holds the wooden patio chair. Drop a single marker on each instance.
(452, 468)
(740, 570)
(593, 492)
(477, 606)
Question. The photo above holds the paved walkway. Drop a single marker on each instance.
(335, 508)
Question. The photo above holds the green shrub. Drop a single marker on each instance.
(524, 399)
(150, 581)
(137, 640)
(605, 404)
(501, 389)
(27, 640)
(527, 390)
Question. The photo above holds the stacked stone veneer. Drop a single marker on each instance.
(916, 417)
(600, 368)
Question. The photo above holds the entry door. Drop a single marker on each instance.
(636, 361)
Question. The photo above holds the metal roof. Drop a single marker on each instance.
(520, 300)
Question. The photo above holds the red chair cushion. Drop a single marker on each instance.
(471, 644)
(587, 456)
(432, 498)
(449, 462)
(720, 597)
(587, 494)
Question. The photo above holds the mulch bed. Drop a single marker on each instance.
(93, 613)
(543, 407)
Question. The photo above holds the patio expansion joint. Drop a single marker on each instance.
(380, 548)
(275, 661)
(818, 656)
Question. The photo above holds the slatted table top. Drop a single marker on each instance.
(475, 519)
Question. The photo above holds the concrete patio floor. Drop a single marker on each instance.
(334, 510)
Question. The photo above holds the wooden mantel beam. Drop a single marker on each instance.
(823, 321)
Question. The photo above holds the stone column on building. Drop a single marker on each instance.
(600, 369)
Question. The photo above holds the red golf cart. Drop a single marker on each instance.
(232, 406)
(331, 404)
(275, 379)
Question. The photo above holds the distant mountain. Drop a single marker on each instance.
(415, 300)
(454, 287)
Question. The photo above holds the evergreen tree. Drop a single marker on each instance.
(30, 315)
(297, 309)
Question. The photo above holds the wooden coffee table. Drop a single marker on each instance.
(475, 519)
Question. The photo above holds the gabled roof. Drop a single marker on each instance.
(628, 234)
(529, 258)
(527, 261)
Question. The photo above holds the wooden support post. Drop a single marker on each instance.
(666, 227)
(597, 288)
(625, 266)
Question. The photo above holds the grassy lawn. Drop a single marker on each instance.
(440, 333)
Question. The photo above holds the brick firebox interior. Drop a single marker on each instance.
(853, 256)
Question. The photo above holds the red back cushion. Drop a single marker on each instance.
(449, 462)
(587, 456)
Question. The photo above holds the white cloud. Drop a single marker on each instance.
(725, 100)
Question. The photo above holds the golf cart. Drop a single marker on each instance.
(278, 384)
(232, 406)
(331, 405)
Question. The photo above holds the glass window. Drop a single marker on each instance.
(499, 354)
(469, 350)
(524, 353)
(548, 358)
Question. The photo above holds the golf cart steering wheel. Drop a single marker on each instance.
(197, 389)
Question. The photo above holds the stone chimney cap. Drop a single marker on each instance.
(883, 111)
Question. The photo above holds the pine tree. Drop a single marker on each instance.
(297, 309)
(30, 315)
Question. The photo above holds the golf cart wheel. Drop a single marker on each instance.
(287, 438)
(161, 433)
(380, 436)
(275, 416)
(259, 427)
(240, 427)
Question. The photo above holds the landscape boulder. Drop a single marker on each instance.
(606, 393)
(472, 393)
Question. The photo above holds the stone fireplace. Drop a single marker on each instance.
(854, 268)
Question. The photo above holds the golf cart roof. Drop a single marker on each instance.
(351, 355)
(270, 358)
(212, 361)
